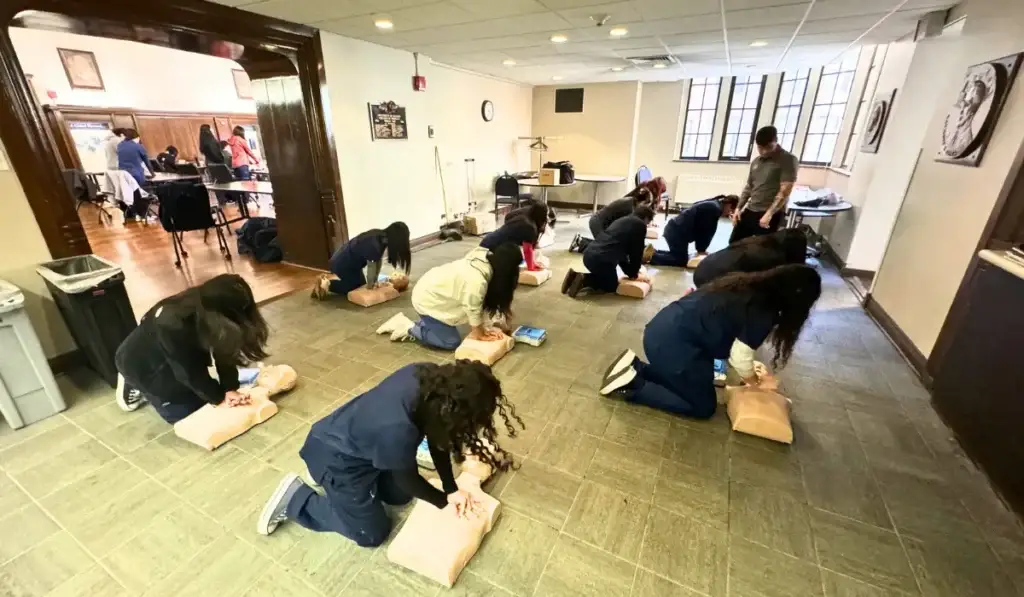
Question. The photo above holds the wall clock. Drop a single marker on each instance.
(487, 110)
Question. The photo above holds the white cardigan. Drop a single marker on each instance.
(453, 293)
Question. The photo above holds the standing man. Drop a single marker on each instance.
(769, 184)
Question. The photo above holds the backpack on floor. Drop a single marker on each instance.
(258, 237)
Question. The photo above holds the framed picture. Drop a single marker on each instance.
(81, 68)
(387, 121)
(973, 116)
(878, 117)
(243, 87)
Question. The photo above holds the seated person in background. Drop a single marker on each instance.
(697, 224)
(364, 453)
(165, 360)
(522, 227)
(472, 290)
(619, 208)
(729, 318)
(621, 245)
(168, 158)
(367, 248)
(753, 254)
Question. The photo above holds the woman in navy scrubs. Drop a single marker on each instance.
(523, 228)
(696, 224)
(364, 453)
(753, 254)
(622, 245)
(728, 318)
(368, 248)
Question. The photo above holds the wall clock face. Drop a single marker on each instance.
(487, 110)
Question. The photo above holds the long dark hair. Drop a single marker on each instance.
(641, 194)
(790, 242)
(504, 260)
(456, 407)
(227, 319)
(399, 251)
(789, 291)
(645, 213)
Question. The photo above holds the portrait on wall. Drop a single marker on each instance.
(81, 68)
(878, 117)
(243, 86)
(387, 121)
(975, 112)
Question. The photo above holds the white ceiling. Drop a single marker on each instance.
(479, 34)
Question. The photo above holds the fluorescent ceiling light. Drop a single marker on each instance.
(559, 38)
(508, 62)
(659, 65)
(383, 23)
(618, 31)
(617, 69)
(758, 44)
(557, 78)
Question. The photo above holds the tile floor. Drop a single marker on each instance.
(873, 498)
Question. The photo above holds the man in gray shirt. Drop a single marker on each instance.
(771, 178)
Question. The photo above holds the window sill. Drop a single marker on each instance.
(842, 171)
(709, 161)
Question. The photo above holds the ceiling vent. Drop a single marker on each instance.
(652, 60)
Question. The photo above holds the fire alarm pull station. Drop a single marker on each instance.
(419, 83)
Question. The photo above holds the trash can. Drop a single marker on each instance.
(90, 293)
(28, 392)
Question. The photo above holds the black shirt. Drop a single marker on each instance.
(622, 244)
(697, 223)
(737, 258)
(615, 210)
(516, 231)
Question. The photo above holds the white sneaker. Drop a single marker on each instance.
(127, 397)
(401, 333)
(274, 512)
(625, 359)
(397, 321)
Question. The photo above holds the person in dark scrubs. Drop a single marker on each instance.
(165, 360)
(728, 318)
(368, 248)
(621, 245)
(620, 208)
(753, 254)
(522, 228)
(364, 453)
(132, 156)
(696, 224)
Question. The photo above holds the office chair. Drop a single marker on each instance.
(220, 173)
(506, 192)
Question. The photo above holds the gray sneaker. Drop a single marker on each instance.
(273, 513)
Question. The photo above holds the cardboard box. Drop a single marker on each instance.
(479, 224)
(549, 176)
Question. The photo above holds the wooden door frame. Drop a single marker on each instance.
(31, 150)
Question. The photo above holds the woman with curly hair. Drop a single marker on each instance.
(728, 318)
(364, 453)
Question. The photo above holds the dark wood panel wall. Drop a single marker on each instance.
(156, 129)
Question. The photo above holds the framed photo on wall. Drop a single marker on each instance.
(878, 117)
(81, 68)
(243, 86)
(387, 121)
(975, 111)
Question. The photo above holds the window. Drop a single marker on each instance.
(741, 117)
(789, 105)
(700, 119)
(853, 147)
(829, 107)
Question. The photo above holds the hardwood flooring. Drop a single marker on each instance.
(147, 257)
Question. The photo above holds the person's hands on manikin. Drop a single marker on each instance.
(465, 504)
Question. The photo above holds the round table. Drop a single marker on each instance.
(533, 182)
(795, 214)
(598, 180)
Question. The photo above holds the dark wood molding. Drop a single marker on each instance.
(65, 362)
(98, 112)
(903, 343)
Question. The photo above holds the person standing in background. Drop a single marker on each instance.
(241, 155)
(209, 147)
(110, 147)
(771, 178)
(132, 156)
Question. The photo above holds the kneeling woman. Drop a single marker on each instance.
(364, 453)
(729, 318)
(621, 245)
(522, 227)
(753, 254)
(476, 289)
(166, 359)
(368, 248)
(696, 224)
(609, 214)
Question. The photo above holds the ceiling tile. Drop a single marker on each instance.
(617, 13)
(491, 9)
(653, 10)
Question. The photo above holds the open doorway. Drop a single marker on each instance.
(269, 91)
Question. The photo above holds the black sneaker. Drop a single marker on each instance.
(567, 281)
(127, 397)
(576, 285)
(274, 512)
(575, 244)
(620, 381)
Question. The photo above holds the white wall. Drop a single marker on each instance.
(383, 181)
(947, 206)
(22, 247)
(135, 75)
(886, 166)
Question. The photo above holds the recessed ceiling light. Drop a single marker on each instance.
(383, 23)
(659, 65)
(758, 44)
(616, 69)
(618, 31)
(508, 62)
(557, 78)
(559, 38)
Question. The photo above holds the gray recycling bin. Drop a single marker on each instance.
(90, 293)
(28, 392)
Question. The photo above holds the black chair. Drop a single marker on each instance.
(155, 166)
(185, 206)
(186, 169)
(84, 189)
(506, 192)
(220, 174)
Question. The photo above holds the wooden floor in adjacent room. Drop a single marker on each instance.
(147, 257)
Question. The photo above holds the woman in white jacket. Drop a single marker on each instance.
(473, 290)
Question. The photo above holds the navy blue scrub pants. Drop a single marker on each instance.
(602, 274)
(353, 502)
(678, 250)
(349, 270)
(679, 378)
